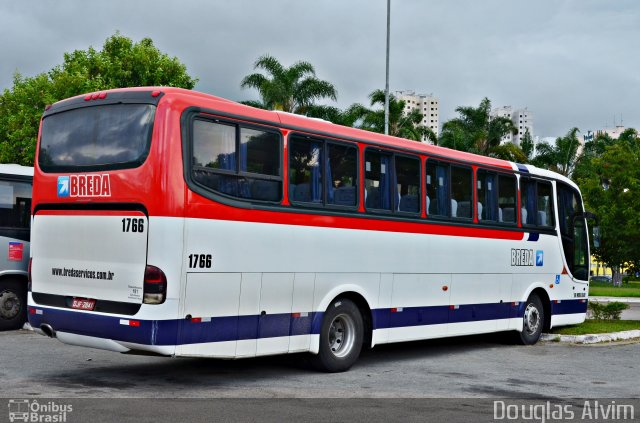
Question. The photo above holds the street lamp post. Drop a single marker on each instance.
(386, 87)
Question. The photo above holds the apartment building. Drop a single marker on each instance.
(428, 105)
(522, 119)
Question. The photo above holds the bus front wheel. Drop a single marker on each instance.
(533, 321)
(13, 304)
(341, 337)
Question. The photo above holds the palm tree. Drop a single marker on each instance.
(351, 116)
(477, 132)
(562, 157)
(293, 89)
(401, 124)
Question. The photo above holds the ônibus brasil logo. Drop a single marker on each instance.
(84, 186)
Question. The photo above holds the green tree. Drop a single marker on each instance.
(526, 145)
(612, 191)
(562, 157)
(120, 63)
(350, 116)
(293, 89)
(592, 149)
(475, 131)
(401, 124)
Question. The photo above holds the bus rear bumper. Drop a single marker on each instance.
(111, 333)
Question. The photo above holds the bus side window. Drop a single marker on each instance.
(260, 156)
(438, 195)
(545, 214)
(342, 175)
(487, 196)
(245, 166)
(378, 181)
(507, 199)
(528, 207)
(461, 193)
(407, 184)
(305, 171)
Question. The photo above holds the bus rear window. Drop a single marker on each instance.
(115, 136)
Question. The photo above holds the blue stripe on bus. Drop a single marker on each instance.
(569, 306)
(522, 168)
(533, 236)
(232, 328)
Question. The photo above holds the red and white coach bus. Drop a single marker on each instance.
(183, 224)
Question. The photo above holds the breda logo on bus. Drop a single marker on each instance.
(84, 186)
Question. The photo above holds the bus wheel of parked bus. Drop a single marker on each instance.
(341, 337)
(13, 304)
(533, 321)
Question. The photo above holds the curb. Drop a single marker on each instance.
(592, 339)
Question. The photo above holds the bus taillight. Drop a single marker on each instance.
(155, 286)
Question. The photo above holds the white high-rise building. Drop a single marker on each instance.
(522, 119)
(506, 112)
(428, 105)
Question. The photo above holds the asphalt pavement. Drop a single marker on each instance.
(34, 366)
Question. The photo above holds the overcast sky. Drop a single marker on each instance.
(571, 62)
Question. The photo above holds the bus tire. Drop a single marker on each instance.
(13, 304)
(533, 321)
(341, 337)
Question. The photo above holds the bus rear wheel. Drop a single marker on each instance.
(533, 321)
(341, 337)
(13, 304)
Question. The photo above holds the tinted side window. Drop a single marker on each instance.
(237, 161)
(528, 208)
(487, 196)
(259, 152)
(545, 204)
(342, 175)
(461, 193)
(377, 181)
(305, 171)
(438, 196)
(507, 199)
(407, 184)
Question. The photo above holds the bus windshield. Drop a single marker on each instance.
(114, 136)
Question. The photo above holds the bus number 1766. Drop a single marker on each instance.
(202, 261)
(132, 225)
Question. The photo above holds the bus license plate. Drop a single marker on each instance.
(83, 304)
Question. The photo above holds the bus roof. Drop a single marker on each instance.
(16, 169)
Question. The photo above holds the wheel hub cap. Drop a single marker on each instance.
(9, 305)
(531, 319)
(341, 335)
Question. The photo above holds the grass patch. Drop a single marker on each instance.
(629, 289)
(597, 326)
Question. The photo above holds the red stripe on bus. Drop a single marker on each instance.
(221, 212)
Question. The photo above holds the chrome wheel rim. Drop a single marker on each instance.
(9, 305)
(531, 319)
(341, 335)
